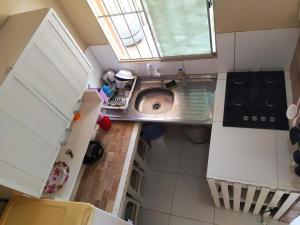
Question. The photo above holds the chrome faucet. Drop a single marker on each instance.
(155, 73)
(151, 71)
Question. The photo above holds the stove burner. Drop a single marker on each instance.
(237, 102)
(272, 96)
(240, 80)
(238, 97)
(271, 78)
(256, 100)
(271, 104)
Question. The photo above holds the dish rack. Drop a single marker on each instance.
(120, 102)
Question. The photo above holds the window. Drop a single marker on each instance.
(157, 29)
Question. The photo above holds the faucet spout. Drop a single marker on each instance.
(151, 71)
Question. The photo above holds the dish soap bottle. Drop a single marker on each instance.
(180, 73)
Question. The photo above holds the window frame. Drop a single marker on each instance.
(212, 35)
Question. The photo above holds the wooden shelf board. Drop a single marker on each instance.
(78, 141)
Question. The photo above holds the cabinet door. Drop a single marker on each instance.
(52, 65)
(30, 134)
(37, 73)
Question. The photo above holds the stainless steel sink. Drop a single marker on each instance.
(154, 100)
(191, 102)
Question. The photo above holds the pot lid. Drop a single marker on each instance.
(125, 74)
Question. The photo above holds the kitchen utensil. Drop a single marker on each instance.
(104, 122)
(109, 77)
(103, 96)
(120, 83)
(95, 132)
(124, 75)
(295, 135)
(93, 153)
(58, 177)
(297, 171)
(107, 90)
(296, 157)
(118, 101)
(171, 84)
(293, 112)
(128, 85)
(76, 116)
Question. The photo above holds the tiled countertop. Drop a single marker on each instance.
(103, 183)
(250, 156)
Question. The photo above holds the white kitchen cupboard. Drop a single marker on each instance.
(43, 74)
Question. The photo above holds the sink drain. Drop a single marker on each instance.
(156, 106)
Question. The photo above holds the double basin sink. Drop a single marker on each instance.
(190, 102)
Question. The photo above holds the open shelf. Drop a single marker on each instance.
(78, 141)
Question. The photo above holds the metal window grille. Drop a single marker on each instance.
(133, 32)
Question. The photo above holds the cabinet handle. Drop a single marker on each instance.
(8, 69)
(69, 153)
(67, 133)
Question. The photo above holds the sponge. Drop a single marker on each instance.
(171, 84)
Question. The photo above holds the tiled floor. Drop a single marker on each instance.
(175, 191)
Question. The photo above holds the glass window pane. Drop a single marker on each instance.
(121, 6)
(180, 27)
(111, 7)
(135, 35)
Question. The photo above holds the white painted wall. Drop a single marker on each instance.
(265, 50)
(240, 51)
(95, 77)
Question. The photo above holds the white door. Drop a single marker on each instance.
(30, 134)
(101, 217)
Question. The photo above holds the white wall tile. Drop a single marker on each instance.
(95, 76)
(265, 49)
(165, 68)
(108, 60)
(224, 61)
(222, 76)
(242, 51)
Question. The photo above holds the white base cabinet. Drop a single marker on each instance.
(42, 80)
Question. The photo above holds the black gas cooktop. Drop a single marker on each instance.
(256, 100)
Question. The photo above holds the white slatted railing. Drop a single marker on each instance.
(251, 199)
